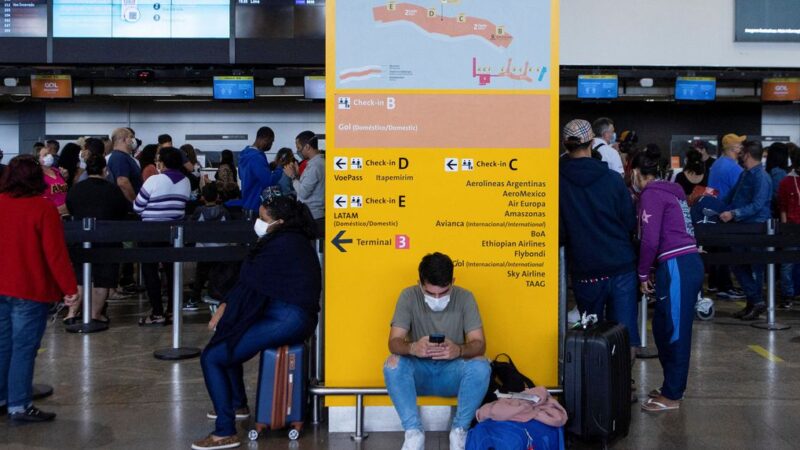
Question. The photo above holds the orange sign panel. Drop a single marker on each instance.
(51, 86)
(781, 90)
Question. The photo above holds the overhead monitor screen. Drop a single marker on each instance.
(141, 19)
(24, 18)
(315, 88)
(696, 88)
(280, 19)
(234, 88)
(598, 86)
(767, 21)
(51, 86)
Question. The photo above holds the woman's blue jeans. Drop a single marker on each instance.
(22, 325)
(281, 324)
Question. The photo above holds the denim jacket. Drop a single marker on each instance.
(750, 199)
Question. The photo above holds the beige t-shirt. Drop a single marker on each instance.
(459, 318)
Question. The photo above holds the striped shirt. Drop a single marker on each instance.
(163, 197)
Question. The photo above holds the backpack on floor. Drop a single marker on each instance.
(505, 378)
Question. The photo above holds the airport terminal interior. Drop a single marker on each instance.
(350, 210)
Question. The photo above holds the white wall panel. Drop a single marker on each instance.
(662, 33)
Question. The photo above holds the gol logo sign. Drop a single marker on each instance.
(781, 90)
(51, 86)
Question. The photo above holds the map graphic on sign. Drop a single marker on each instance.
(443, 44)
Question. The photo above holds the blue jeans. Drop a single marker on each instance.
(466, 379)
(678, 283)
(281, 324)
(750, 278)
(787, 280)
(617, 298)
(22, 325)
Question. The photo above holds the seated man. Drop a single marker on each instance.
(453, 368)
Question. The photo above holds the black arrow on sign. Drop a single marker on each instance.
(452, 164)
(338, 241)
(339, 163)
(339, 202)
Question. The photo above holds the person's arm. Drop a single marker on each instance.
(650, 216)
(474, 346)
(127, 188)
(143, 199)
(399, 344)
(63, 210)
(55, 251)
(305, 185)
(760, 201)
(615, 161)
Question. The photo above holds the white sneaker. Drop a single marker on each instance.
(415, 440)
(458, 439)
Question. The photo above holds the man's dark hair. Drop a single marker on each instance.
(572, 144)
(436, 269)
(164, 138)
(754, 149)
(23, 177)
(171, 158)
(95, 146)
(95, 165)
(601, 125)
(210, 193)
(304, 137)
(38, 146)
(54, 143)
(265, 133)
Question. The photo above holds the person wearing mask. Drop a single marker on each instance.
(310, 186)
(789, 207)
(668, 246)
(693, 179)
(275, 302)
(605, 139)
(57, 187)
(123, 170)
(226, 173)
(98, 198)
(702, 147)
(91, 147)
(254, 169)
(282, 159)
(37, 272)
(211, 211)
(453, 366)
(596, 232)
(300, 142)
(147, 161)
(70, 164)
(749, 202)
(162, 198)
(723, 177)
(53, 147)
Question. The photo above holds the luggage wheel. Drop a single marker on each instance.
(256, 432)
(294, 431)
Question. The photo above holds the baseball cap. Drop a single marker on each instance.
(729, 140)
(578, 131)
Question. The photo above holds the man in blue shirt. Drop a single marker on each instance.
(123, 169)
(254, 169)
(749, 202)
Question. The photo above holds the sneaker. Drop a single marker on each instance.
(32, 414)
(191, 305)
(415, 440)
(743, 312)
(756, 311)
(241, 414)
(711, 290)
(730, 295)
(786, 304)
(458, 439)
(737, 291)
(209, 443)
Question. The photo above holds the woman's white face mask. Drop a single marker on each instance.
(261, 227)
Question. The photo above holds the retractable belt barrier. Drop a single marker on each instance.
(237, 235)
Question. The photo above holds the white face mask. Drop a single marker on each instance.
(48, 160)
(261, 227)
(436, 304)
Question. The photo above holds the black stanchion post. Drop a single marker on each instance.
(177, 352)
(562, 310)
(771, 324)
(88, 325)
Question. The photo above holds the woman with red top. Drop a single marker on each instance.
(56, 189)
(789, 207)
(36, 272)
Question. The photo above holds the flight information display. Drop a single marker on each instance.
(280, 19)
(141, 19)
(24, 18)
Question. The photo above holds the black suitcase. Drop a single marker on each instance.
(597, 381)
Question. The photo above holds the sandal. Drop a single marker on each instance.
(152, 320)
(651, 405)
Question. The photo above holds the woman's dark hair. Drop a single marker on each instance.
(778, 156)
(191, 153)
(694, 162)
(69, 159)
(148, 155)
(649, 162)
(295, 215)
(23, 177)
(95, 165)
(283, 157)
(170, 157)
(794, 154)
(436, 269)
(226, 157)
(95, 146)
